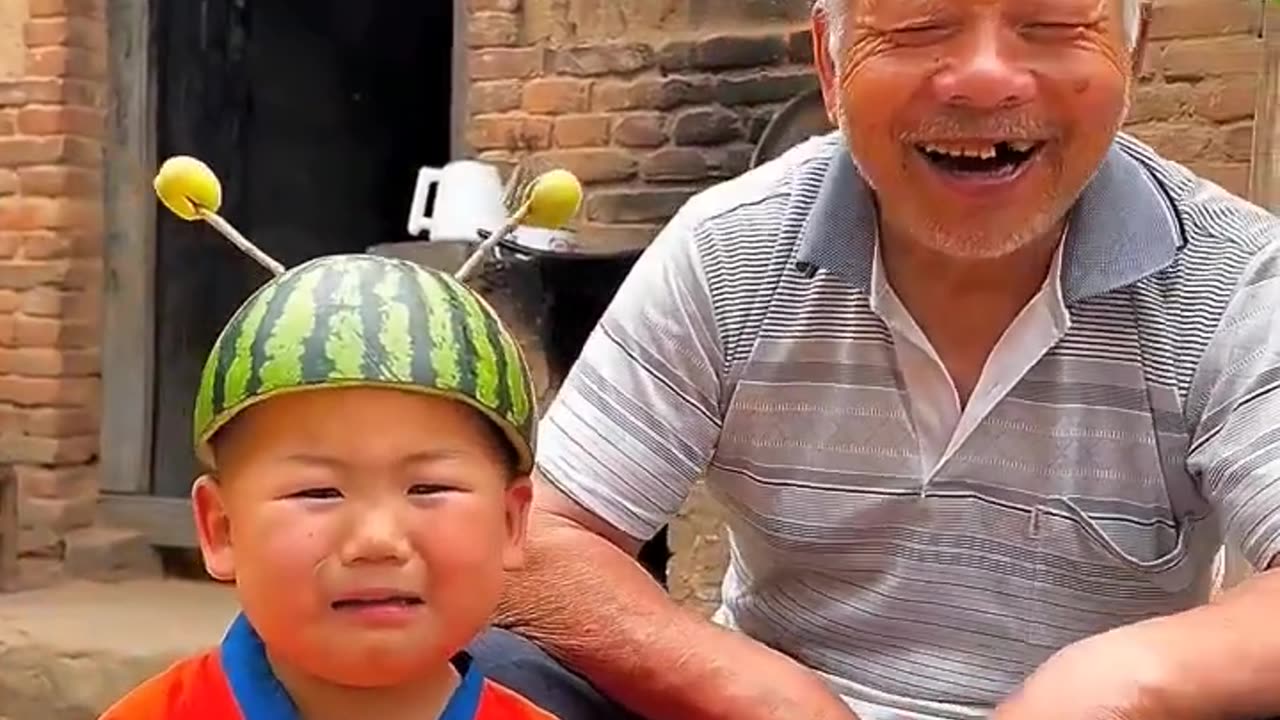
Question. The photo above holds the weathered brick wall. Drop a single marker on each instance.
(1197, 97)
(51, 131)
(646, 101)
(650, 100)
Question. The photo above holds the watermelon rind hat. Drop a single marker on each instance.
(362, 320)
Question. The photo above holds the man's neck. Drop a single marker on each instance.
(925, 279)
(425, 698)
(964, 306)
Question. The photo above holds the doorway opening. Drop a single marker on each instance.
(316, 115)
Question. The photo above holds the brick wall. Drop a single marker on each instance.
(1197, 97)
(650, 101)
(51, 130)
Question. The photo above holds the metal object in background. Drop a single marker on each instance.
(803, 117)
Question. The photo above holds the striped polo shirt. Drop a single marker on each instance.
(1093, 492)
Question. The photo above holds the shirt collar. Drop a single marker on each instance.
(1121, 229)
(260, 695)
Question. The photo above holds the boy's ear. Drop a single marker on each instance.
(213, 526)
(519, 498)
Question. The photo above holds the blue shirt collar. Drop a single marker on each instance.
(261, 696)
(1122, 228)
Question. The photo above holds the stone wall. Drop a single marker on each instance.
(651, 100)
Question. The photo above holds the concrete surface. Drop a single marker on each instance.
(69, 651)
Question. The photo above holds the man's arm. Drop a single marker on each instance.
(584, 599)
(1220, 660)
(632, 429)
(1224, 657)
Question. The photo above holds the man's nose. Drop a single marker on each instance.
(981, 72)
(376, 536)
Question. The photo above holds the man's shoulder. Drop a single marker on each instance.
(500, 703)
(1221, 233)
(194, 688)
(761, 196)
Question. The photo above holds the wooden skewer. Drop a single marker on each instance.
(240, 241)
(474, 260)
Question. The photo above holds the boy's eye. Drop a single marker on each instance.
(318, 494)
(428, 489)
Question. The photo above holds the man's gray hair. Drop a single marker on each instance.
(1131, 9)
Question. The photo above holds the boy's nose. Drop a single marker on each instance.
(376, 537)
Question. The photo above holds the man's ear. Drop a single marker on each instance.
(1138, 54)
(824, 63)
(519, 499)
(213, 527)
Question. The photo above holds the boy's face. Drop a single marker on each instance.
(367, 530)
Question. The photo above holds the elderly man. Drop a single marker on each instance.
(982, 384)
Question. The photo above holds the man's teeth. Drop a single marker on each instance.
(985, 152)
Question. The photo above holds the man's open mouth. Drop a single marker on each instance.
(981, 159)
(389, 601)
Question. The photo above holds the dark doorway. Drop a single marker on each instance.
(316, 115)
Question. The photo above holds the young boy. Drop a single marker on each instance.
(368, 429)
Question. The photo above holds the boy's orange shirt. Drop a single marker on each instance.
(235, 682)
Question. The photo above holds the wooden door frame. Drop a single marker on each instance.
(1264, 185)
(129, 261)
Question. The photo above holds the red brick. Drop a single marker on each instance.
(57, 246)
(70, 31)
(59, 422)
(1203, 18)
(22, 274)
(1159, 101)
(1237, 142)
(498, 5)
(35, 213)
(1227, 99)
(61, 392)
(8, 121)
(56, 483)
(49, 8)
(8, 182)
(611, 58)
(67, 62)
(19, 151)
(641, 130)
(51, 302)
(572, 131)
(6, 335)
(509, 132)
(594, 165)
(12, 94)
(492, 29)
(495, 96)
(59, 181)
(555, 95)
(506, 63)
(1199, 58)
(10, 300)
(68, 91)
(653, 93)
(1181, 143)
(60, 119)
(54, 333)
(617, 237)
(47, 362)
(58, 515)
(1232, 176)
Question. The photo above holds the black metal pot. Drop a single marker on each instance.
(560, 295)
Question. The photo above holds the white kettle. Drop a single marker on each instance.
(468, 198)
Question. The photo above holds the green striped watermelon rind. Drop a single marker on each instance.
(367, 321)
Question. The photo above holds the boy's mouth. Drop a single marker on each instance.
(376, 600)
